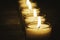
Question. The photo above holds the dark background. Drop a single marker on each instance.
(10, 28)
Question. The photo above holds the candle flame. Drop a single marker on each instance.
(39, 22)
(31, 15)
(39, 19)
(35, 13)
(28, 3)
(32, 20)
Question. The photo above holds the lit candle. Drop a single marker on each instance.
(35, 23)
(35, 32)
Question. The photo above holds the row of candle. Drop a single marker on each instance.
(35, 23)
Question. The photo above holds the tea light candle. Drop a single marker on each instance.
(35, 32)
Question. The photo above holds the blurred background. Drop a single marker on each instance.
(10, 23)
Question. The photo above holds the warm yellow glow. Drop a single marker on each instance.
(29, 13)
(38, 32)
(28, 3)
(35, 22)
(39, 22)
(24, 3)
(35, 13)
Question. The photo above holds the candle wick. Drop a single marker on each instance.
(38, 27)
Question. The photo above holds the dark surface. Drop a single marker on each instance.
(10, 28)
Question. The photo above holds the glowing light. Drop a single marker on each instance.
(35, 13)
(33, 20)
(28, 4)
(39, 22)
(38, 32)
